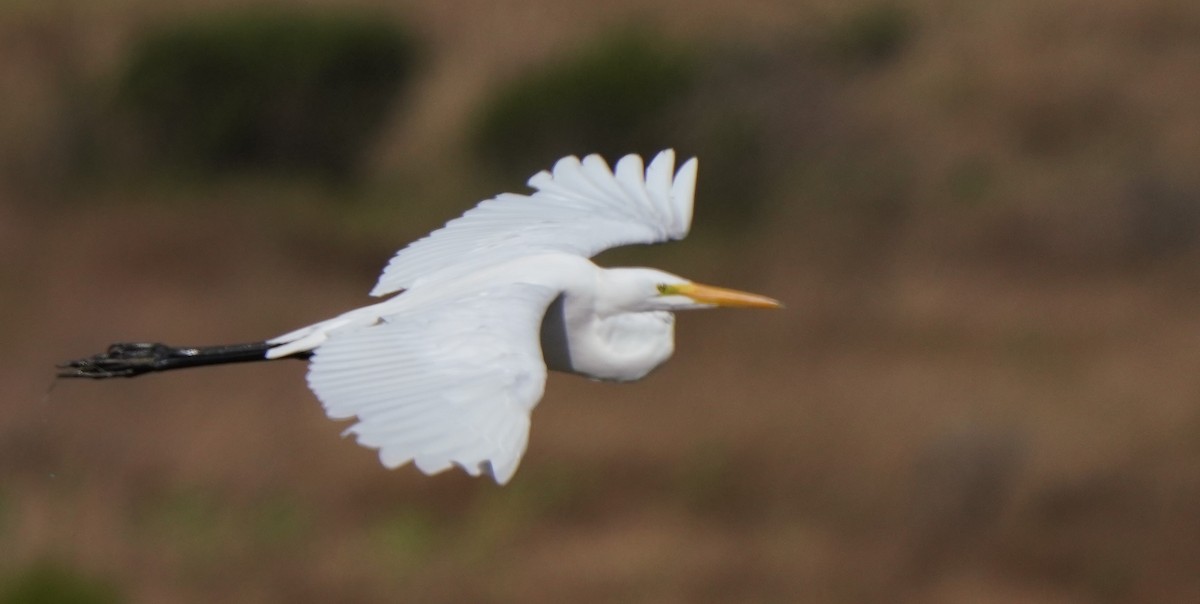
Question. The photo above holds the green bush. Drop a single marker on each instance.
(613, 98)
(266, 91)
(629, 92)
(52, 583)
(874, 35)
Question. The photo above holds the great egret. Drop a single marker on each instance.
(447, 372)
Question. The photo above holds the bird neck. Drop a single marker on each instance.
(614, 347)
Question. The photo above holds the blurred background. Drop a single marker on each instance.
(984, 219)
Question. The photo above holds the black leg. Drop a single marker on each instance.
(133, 359)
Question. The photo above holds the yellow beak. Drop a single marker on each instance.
(719, 296)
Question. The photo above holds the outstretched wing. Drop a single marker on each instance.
(581, 207)
(441, 385)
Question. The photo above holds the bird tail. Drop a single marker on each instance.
(134, 359)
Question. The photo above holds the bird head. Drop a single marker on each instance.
(648, 289)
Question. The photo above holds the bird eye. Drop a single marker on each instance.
(663, 288)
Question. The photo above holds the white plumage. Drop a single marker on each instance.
(451, 383)
(581, 208)
(447, 372)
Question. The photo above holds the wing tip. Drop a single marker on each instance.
(683, 194)
(502, 472)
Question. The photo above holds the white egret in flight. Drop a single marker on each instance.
(446, 372)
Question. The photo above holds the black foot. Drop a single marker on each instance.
(120, 360)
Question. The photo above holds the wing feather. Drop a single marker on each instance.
(579, 207)
(441, 384)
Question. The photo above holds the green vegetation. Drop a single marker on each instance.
(612, 98)
(629, 92)
(970, 180)
(406, 536)
(707, 483)
(54, 583)
(279, 520)
(190, 519)
(266, 91)
(6, 513)
(873, 35)
(738, 171)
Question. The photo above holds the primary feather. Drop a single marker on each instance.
(580, 208)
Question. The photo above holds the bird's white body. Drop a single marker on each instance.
(598, 337)
(447, 372)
